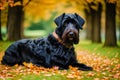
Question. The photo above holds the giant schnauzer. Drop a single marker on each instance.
(55, 50)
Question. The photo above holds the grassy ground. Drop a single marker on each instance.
(105, 62)
(3, 47)
(98, 49)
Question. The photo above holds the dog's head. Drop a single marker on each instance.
(68, 26)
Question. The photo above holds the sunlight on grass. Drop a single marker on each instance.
(40, 77)
(98, 49)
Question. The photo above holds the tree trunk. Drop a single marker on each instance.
(15, 22)
(110, 26)
(88, 24)
(0, 27)
(96, 24)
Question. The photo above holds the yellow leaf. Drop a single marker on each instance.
(18, 3)
(48, 75)
(24, 63)
(16, 65)
(96, 79)
(29, 65)
(73, 68)
(70, 76)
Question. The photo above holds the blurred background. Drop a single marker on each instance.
(35, 18)
(99, 40)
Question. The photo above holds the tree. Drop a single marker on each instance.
(16, 14)
(110, 26)
(15, 21)
(96, 23)
(88, 18)
(93, 21)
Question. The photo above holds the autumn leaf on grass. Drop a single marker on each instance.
(90, 74)
(70, 76)
(117, 75)
(48, 75)
(76, 75)
(73, 68)
(16, 65)
(29, 65)
(64, 72)
(96, 79)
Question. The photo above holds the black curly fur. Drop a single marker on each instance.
(46, 52)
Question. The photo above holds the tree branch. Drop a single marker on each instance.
(27, 3)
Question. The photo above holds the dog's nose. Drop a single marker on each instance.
(71, 34)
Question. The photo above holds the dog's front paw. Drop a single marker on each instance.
(86, 68)
(89, 68)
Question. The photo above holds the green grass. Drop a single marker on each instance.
(4, 45)
(98, 49)
(39, 77)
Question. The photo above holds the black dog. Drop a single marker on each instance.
(55, 50)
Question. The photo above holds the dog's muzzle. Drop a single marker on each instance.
(71, 35)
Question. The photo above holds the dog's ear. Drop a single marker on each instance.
(58, 20)
(80, 20)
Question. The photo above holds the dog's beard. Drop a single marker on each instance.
(70, 40)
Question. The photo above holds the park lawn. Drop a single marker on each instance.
(3, 46)
(105, 62)
(99, 49)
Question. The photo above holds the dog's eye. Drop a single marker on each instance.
(65, 24)
(75, 24)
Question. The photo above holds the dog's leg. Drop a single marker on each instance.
(82, 67)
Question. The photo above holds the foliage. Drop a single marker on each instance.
(4, 3)
(43, 7)
(37, 9)
(104, 68)
(46, 25)
(37, 25)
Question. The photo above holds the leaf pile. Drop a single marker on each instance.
(104, 69)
